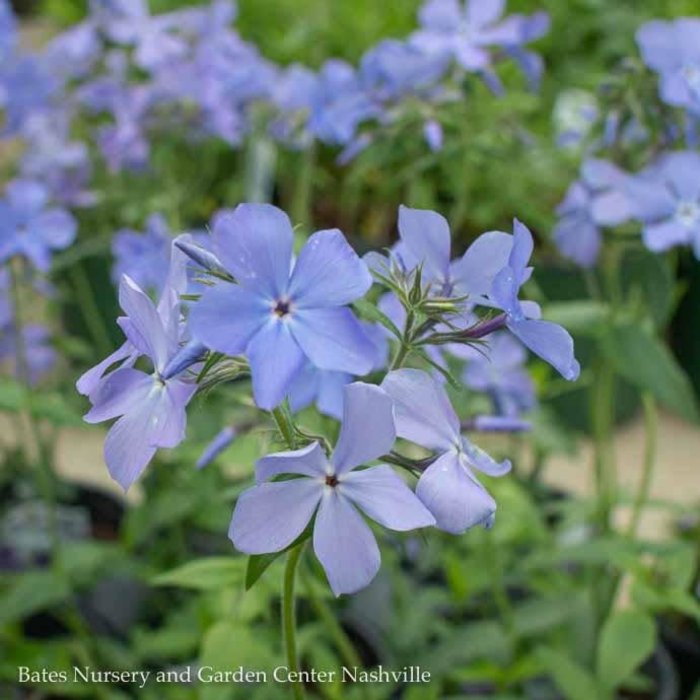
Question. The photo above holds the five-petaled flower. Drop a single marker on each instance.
(278, 315)
(272, 515)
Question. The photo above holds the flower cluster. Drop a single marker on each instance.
(288, 321)
(661, 197)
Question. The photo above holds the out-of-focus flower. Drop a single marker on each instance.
(282, 319)
(26, 88)
(598, 199)
(339, 104)
(150, 409)
(448, 487)
(221, 441)
(30, 227)
(575, 114)
(672, 49)
(498, 370)
(433, 134)
(465, 31)
(666, 199)
(143, 256)
(8, 30)
(548, 340)
(271, 515)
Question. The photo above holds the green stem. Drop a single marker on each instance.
(303, 188)
(285, 426)
(89, 310)
(405, 345)
(289, 618)
(602, 420)
(650, 425)
(344, 645)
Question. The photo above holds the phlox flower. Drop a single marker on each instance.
(548, 340)
(150, 407)
(30, 227)
(272, 515)
(465, 30)
(672, 49)
(278, 316)
(666, 199)
(598, 199)
(499, 371)
(448, 487)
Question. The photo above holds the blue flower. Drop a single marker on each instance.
(30, 227)
(448, 487)
(598, 199)
(278, 316)
(150, 408)
(548, 340)
(672, 49)
(666, 199)
(464, 31)
(271, 515)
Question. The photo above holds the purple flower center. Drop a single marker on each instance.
(282, 308)
(331, 480)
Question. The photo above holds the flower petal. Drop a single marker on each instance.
(227, 316)
(457, 500)
(254, 243)
(269, 517)
(147, 333)
(367, 430)
(117, 393)
(481, 460)
(344, 544)
(665, 235)
(88, 382)
(385, 497)
(328, 272)
(426, 238)
(275, 358)
(473, 273)
(310, 461)
(481, 13)
(332, 338)
(423, 411)
(549, 341)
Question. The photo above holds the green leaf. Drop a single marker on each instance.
(29, 593)
(210, 573)
(627, 639)
(257, 566)
(582, 317)
(645, 361)
(576, 682)
(370, 312)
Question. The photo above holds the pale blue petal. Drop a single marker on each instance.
(269, 517)
(550, 342)
(117, 393)
(309, 461)
(367, 430)
(275, 358)
(227, 317)
(333, 338)
(456, 499)
(385, 497)
(254, 243)
(344, 544)
(481, 460)
(328, 272)
(423, 411)
(665, 235)
(474, 272)
(426, 236)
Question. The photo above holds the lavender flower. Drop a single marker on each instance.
(548, 340)
(448, 487)
(282, 319)
(150, 409)
(672, 49)
(599, 199)
(271, 515)
(499, 372)
(666, 199)
(465, 31)
(220, 442)
(143, 256)
(29, 227)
